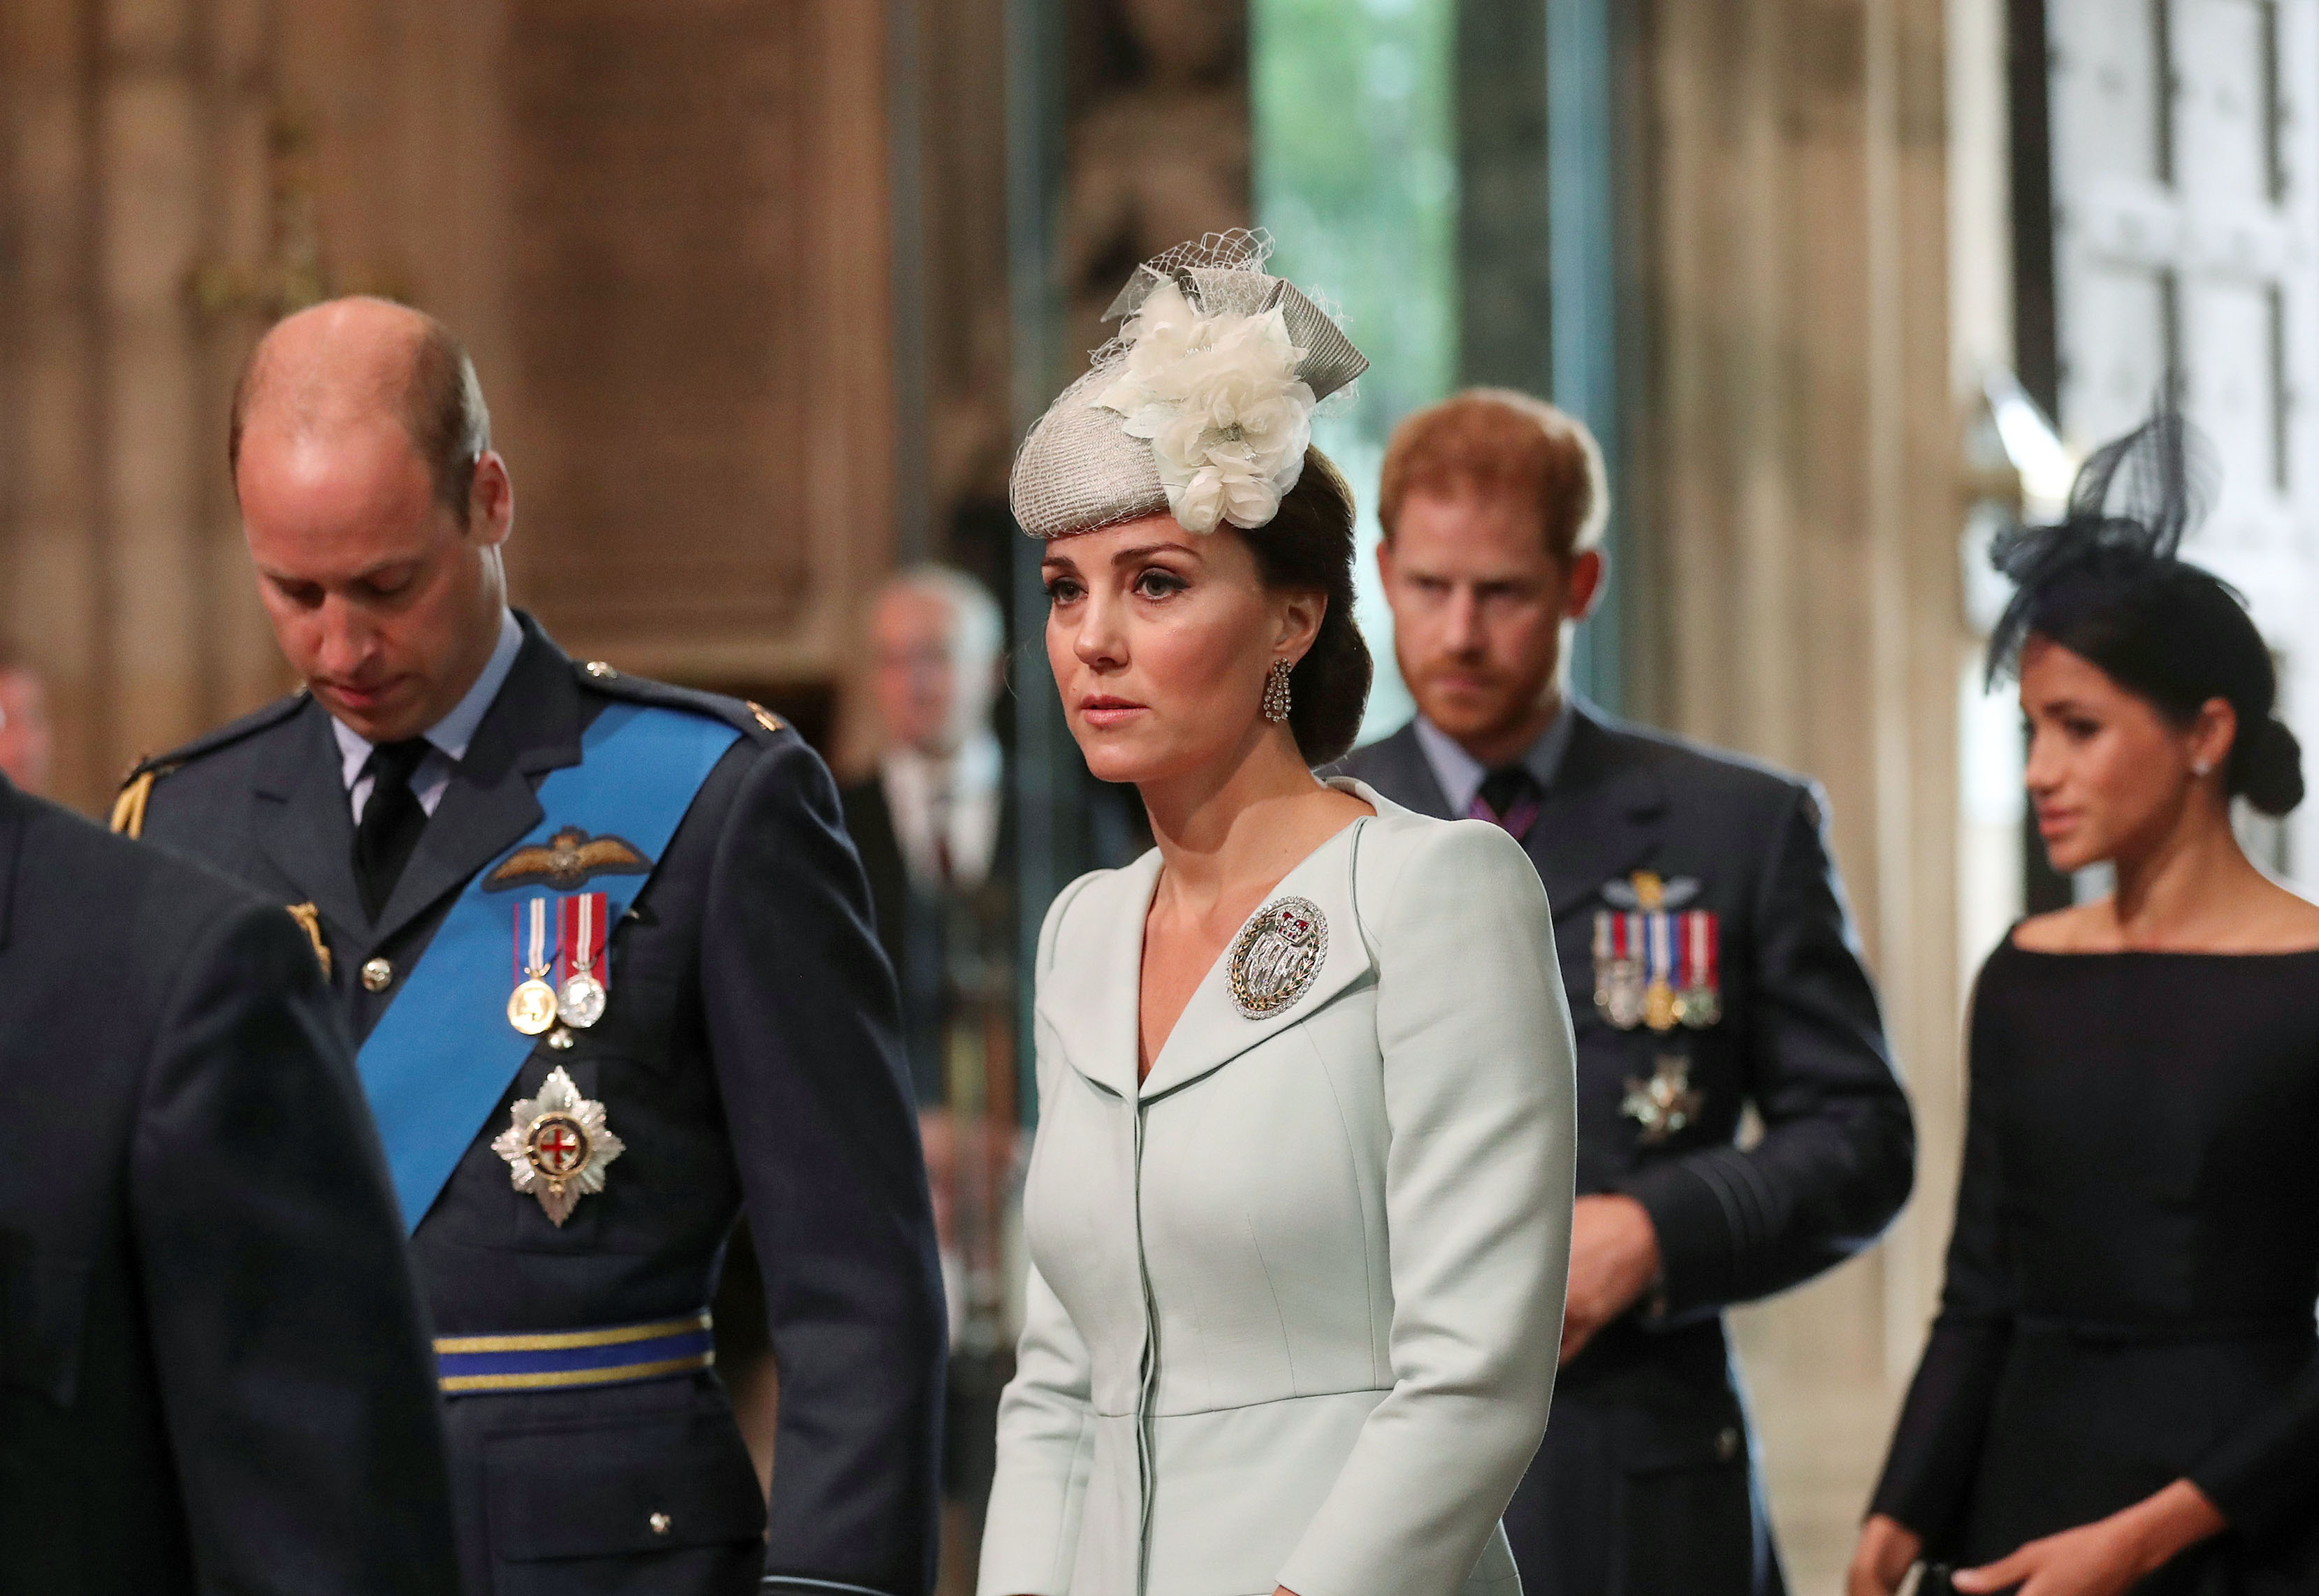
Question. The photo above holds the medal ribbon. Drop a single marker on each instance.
(583, 928)
(443, 1055)
(539, 966)
(1661, 927)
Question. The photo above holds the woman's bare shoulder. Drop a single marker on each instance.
(2288, 922)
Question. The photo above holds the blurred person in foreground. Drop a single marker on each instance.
(1694, 899)
(1298, 1201)
(935, 826)
(27, 742)
(2122, 1389)
(609, 957)
(212, 1373)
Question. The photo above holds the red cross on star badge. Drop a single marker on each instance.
(558, 1145)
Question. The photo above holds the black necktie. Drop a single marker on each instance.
(391, 822)
(1510, 797)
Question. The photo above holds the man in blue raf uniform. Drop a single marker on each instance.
(211, 1371)
(1694, 900)
(609, 957)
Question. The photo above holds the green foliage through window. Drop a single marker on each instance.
(1357, 179)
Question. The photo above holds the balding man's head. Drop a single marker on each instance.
(935, 636)
(26, 741)
(349, 359)
(375, 510)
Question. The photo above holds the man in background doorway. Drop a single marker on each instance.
(934, 824)
(1695, 902)
(26, 742)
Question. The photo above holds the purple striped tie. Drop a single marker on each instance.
(1509, 797)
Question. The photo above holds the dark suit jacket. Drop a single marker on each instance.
(748, 1056)
(212, 1373)
(1799, 1040)
(920, 933)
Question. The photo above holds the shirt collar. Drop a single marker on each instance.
(973, 771)
(451, 734)
(1460, 774)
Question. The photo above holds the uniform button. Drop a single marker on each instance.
(1727, 1446)
(377, 976)
(599, 670)
(659, 1522)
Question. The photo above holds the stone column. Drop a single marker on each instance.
(1793, 482)
(133, 159)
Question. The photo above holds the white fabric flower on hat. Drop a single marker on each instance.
(1218, 398)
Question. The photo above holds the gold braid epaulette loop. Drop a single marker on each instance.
(128, 809)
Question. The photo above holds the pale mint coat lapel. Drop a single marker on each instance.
(1090, 1000)
(1212, 1033)
(1089, 997)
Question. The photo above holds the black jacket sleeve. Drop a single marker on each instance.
(297, 1381)
(1838, 1150)
(1936, 1445)
(2265, 1475)
(801, 1015)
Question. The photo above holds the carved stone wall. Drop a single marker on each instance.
(1159, 142)
(662, 226)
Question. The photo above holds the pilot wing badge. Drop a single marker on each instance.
(568, 861)
(558, 1146)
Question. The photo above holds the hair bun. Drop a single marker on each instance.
(2267, 767)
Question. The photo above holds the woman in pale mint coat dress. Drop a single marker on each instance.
(1298, 1205)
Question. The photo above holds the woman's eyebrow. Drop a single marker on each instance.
(1146, 550)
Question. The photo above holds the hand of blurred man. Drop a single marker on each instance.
(1886, 1551)
(1614, 1257)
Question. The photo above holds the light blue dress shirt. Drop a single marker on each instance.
(1460, 774)
(450, 735)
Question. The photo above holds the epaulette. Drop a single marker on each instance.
(751, 718)
(137, 786)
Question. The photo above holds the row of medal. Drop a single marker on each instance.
(1657, 967)
(560, 971)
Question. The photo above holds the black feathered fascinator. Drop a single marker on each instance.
(2129, 509)
(2107, 583)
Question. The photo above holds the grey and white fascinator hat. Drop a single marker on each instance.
(1201, 407)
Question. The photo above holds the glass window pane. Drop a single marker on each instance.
(1355, 176)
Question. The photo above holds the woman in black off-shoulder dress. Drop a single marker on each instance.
(2121, 1391)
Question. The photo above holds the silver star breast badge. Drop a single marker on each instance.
(558, 1146)
(1663, 1104)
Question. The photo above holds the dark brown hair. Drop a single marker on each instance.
(1309, 546)
(442, 405)
(1499, 442)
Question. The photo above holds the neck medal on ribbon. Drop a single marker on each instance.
(1655, 963)
(1277, 955)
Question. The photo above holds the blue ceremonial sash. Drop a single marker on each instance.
(439, 1060)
